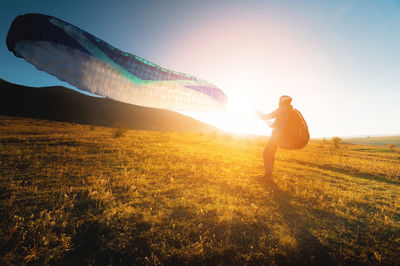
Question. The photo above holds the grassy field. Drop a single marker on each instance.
(383, 141)
(77, 194)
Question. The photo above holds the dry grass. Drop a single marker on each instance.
(76, 194)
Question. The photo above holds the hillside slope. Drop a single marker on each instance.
(62, 104)
(75, 194)
(382, 141)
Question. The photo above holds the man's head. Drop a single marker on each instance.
(285, 100)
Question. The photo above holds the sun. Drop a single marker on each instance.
(239, 117)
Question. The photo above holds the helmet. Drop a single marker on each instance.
(285, 99)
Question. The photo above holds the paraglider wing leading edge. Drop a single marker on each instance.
(92, 65)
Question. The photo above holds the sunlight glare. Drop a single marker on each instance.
(239, 117)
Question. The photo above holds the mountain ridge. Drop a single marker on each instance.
(59, 103)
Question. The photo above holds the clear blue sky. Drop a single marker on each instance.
(340, 60)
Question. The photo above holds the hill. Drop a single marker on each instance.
(382, 141)
(62, 104)
(78, 194)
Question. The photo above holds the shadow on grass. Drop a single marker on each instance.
(373, 150)
(96, 243)
(348, 171)
(310, 250)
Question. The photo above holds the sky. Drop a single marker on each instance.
(338, 60)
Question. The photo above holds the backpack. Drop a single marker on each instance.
(295, 135)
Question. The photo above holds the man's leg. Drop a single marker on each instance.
(269, 157)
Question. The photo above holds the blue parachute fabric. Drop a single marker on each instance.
(93, 65)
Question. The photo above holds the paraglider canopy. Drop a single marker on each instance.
(90, 64)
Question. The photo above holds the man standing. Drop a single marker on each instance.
(282, 116)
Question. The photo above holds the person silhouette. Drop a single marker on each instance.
(282, 117)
